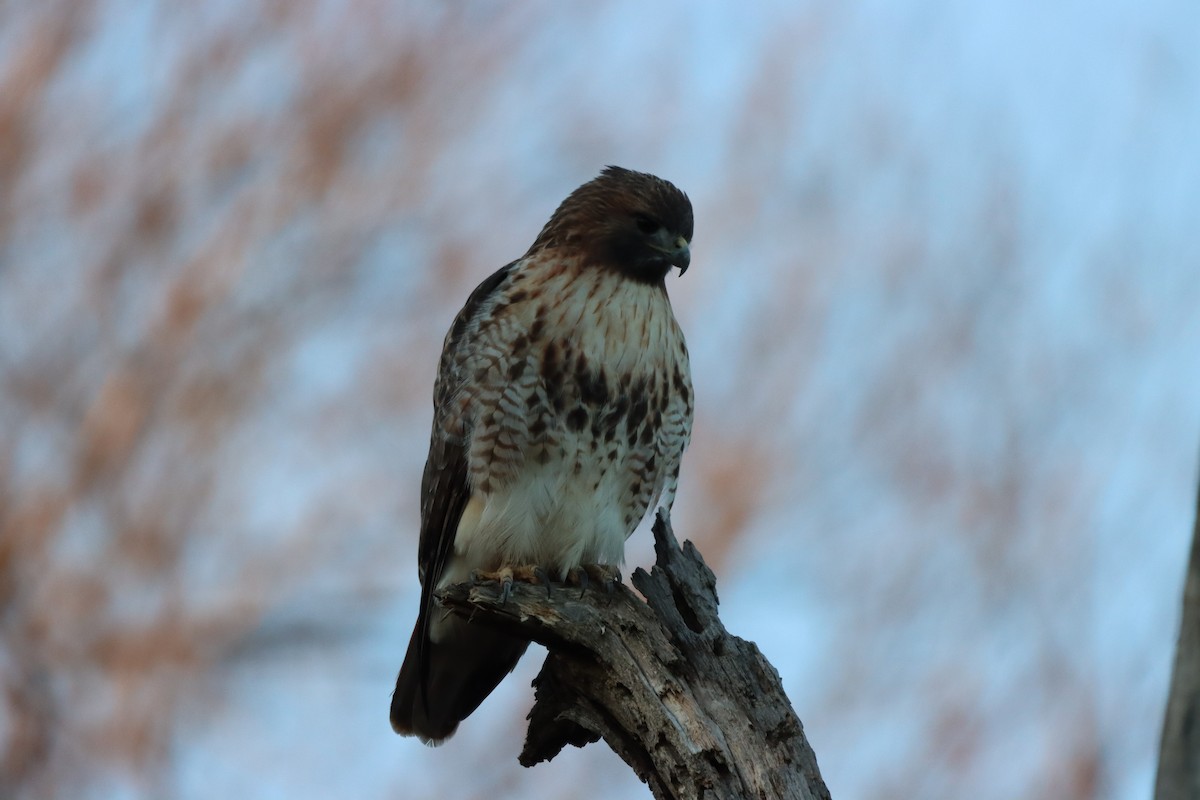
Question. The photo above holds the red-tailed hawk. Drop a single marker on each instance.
(562, 407)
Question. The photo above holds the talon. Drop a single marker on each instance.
(544, 577)
(585, 575)
(507, 576)
(606, 575)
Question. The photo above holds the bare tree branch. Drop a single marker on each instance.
(695, 711)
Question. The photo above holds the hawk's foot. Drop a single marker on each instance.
(584, 575)
(525, 573)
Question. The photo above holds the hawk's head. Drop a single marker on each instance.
(625, 220)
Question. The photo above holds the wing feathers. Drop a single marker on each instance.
(445, 487)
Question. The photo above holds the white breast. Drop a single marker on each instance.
(575, 507)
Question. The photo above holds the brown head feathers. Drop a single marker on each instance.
(631, 221)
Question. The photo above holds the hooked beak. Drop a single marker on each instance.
(681, 256)
(674, 249)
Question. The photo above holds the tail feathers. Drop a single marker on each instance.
(464, 665)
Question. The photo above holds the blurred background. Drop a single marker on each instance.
(944, 316)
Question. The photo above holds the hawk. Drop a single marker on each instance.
(562, 407)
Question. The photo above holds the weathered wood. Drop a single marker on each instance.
(1179, 752)
(695, 711)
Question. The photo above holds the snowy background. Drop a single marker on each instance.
(944, 316)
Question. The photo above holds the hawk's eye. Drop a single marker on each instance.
(646, 224)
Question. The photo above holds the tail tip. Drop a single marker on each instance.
(405, 725)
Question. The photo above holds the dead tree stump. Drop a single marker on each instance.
(695, 711)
